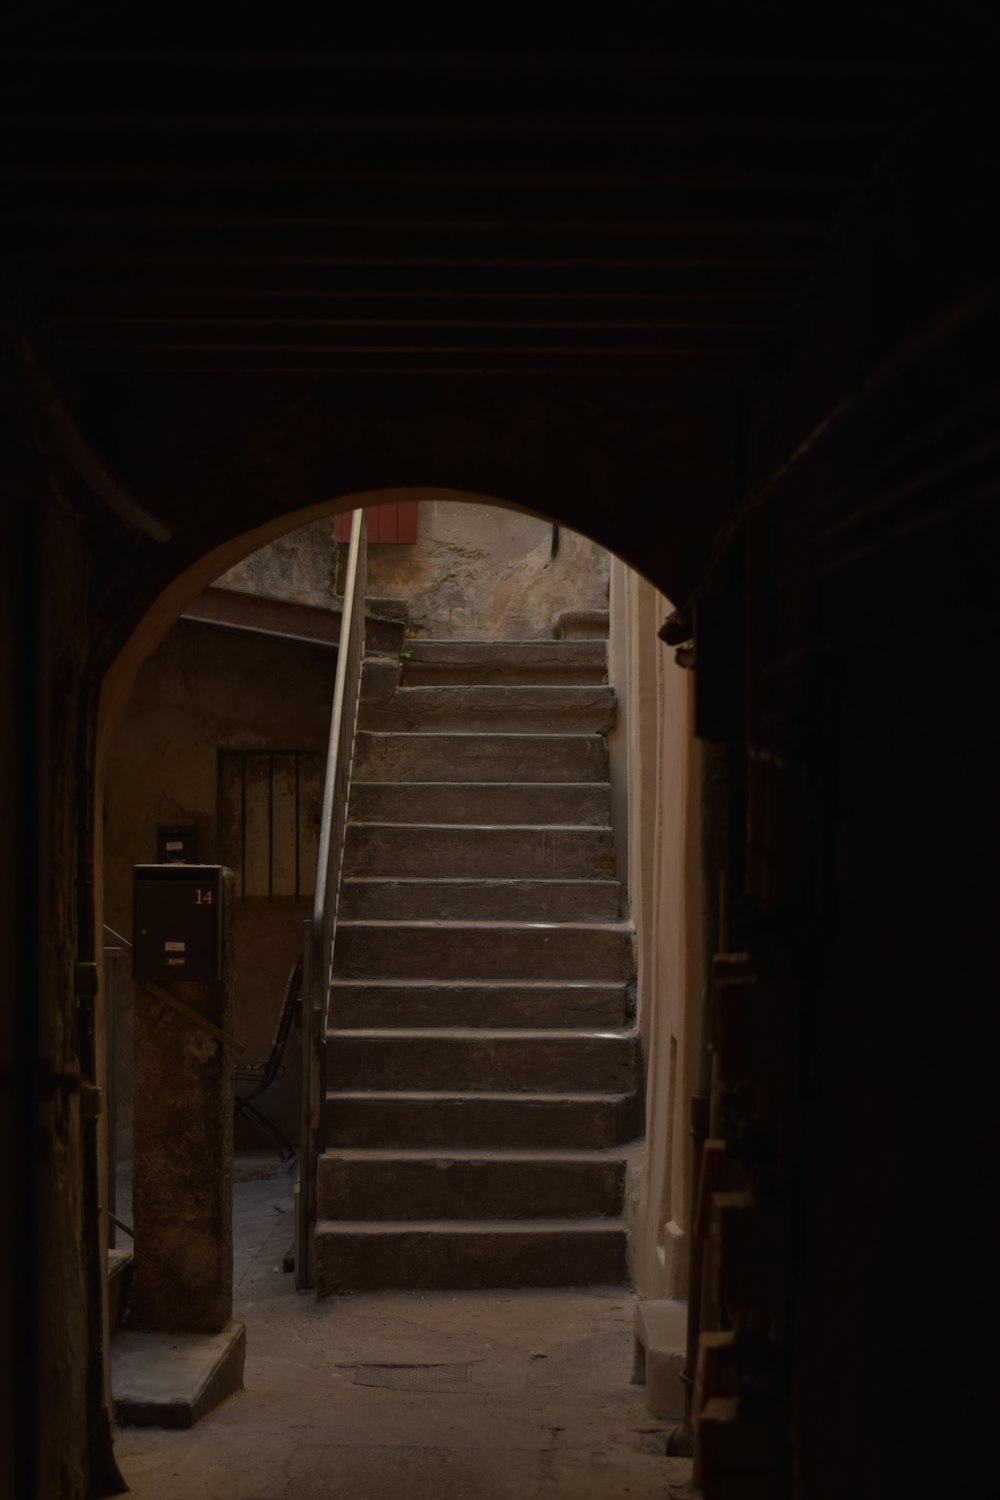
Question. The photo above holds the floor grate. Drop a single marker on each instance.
(413, 1377)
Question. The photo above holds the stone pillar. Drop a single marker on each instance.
(183, 1151)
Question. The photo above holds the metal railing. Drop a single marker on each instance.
(113, 957)
(114, 982)
(321, 932)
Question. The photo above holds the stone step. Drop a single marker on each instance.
(487, 950)
(515, 803)
(173, 1378)
(381, 897)
(396, 756)
(450, 850)
(498, 1120)
(581, 624)
(481, 1058)
(454, 1002)
(464, 1184)
(429, 662)
(489, 709)
(359, 1256)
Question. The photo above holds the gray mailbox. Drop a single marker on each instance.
(177, 922)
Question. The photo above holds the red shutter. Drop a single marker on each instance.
(406, 521)
(386, 523)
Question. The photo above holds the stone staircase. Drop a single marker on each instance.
(483, 1068)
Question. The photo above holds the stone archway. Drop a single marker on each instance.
(192, 581)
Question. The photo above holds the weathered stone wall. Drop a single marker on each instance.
(204, 690)
(480, 572)
(298, 567)
(475, 572)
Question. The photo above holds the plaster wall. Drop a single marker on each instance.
(475, 572)
(663, 818)
(297, 567)
(204, 690)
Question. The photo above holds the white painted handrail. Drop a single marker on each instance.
(321, 931)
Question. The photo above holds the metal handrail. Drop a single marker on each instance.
(321, 932)
(113, 954)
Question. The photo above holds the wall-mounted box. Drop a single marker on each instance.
(177, 922)
(176, 844)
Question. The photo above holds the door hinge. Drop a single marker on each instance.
(50, 1082)
(85, 980)
(91, 1101)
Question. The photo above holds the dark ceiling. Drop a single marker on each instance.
(648, 201)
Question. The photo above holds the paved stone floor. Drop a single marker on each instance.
(536, 1401)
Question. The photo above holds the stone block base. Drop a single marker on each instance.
(660, 1353)
(173, 1379)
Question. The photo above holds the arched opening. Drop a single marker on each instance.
(657, 705)
(176, 594)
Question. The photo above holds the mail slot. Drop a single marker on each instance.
(177, 844)
(177, 922)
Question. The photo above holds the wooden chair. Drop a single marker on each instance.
(259, 1076)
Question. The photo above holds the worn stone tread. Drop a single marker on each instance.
(488, 1058)
(472, 1227)
(483, 1183)
(499, 756)
(486, 707)
(413, 897)
(487, 1096)
(534, 1156)
(494, 787)
(542, 986)
(413, 1253)
(462, 924)
(517, 803)
(486, 1119)
(451, 949)
(430, 661)
(491, 1002)
(483, 827)
(482, 882)
(481, 1033)
(500, 696)
(592, 651)
(456, 850)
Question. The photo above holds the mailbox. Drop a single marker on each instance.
(176, 844)
(177, 922)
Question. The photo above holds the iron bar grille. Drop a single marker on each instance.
(269, 814)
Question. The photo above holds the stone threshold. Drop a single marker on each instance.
(174, 1379)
